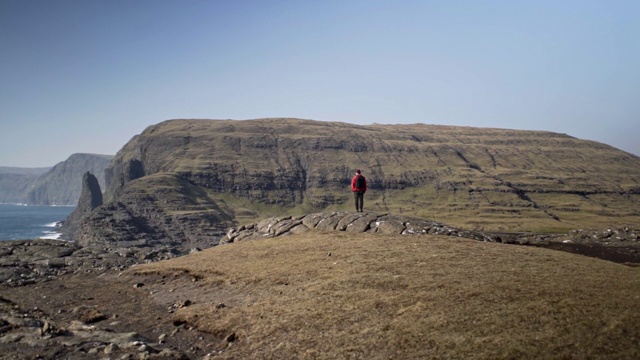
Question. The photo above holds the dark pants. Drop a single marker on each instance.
(359, 196)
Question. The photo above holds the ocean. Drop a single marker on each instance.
(21, 222)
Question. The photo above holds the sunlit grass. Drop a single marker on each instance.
(337, 296)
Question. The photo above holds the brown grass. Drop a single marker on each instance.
(343, 296)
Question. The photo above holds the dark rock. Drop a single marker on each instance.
(56, 263)
(90, 198)
(230, 338)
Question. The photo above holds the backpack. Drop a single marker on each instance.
(360, 182)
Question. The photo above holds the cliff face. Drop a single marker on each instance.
(90, 198)
(233, 172)
(15, 183)
(63, 183)
(59, 185)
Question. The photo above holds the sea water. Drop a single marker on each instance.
(22, 222)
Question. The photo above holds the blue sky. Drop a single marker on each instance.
(86, 76)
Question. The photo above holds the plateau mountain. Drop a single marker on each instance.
(184, 182)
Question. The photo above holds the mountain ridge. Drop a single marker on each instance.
(178, 171)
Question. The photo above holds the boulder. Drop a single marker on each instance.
(361, 224)
(388, 225)
(330, 222)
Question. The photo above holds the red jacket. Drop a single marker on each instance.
(353, 184)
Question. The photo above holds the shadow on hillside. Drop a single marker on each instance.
(621, 255)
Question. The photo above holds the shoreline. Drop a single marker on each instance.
(29, 222)
(21, 204)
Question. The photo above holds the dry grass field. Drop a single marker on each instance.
(342, 296)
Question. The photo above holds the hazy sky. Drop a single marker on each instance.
(86, 76)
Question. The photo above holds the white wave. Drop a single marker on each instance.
(50, 235)
(53, 224)
(25, 204)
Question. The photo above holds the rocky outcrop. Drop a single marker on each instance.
(350, 222)
(177, 215)
(621, 245)
(83, 331)
(28, 262)
(90, 198)
(31, 262)
(360, 222)
(91, 195)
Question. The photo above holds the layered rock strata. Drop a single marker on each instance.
(184, 181)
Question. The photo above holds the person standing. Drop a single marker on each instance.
(359, 187)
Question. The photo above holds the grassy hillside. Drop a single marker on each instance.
(338, 296)
(488, 179)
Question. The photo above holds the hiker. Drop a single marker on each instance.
(359, 187)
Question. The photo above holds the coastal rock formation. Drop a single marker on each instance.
(91, 195)
(62, 184)
(175, 214)
(59, 185)
(26, 262)
(90, 198)
(183, 181)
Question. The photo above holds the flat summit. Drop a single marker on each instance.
(186, 180)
